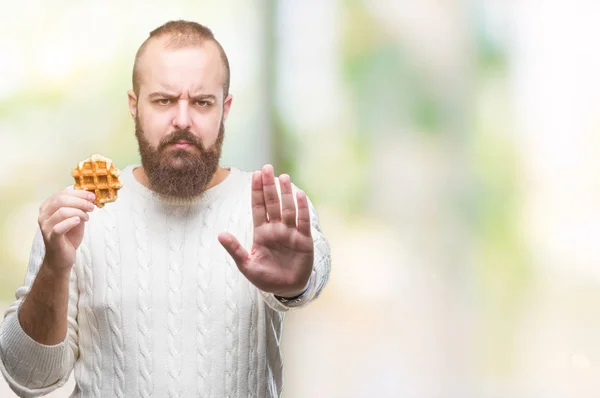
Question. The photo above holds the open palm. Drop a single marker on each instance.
(281, 258)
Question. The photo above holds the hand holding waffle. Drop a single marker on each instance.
(63, 215)
(281, 258)
(61, 221)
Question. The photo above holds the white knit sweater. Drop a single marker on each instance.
(157, 307)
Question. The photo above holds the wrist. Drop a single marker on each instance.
(292, 294)
(299, 298)
(51, 271)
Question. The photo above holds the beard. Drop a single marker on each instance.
(179, 173)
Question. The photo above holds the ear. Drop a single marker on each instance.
(132, 98)
(227, 106)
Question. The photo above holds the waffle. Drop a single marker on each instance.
(99, 175)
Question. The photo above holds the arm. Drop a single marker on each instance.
(38, 337)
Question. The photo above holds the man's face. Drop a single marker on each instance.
(180, 166)
(179, 116)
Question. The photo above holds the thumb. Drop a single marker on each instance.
(235, 250)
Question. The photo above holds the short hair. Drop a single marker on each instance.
(181, 34)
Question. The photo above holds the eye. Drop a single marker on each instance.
(163, 101)
(202, 103)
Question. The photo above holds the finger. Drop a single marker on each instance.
(235, 250)
(61, 196)
(270, 193)
(62, 214)
(67, 200)
(303, 214)
(80, 193)
(77, 196)
(77, 207)
(288, 207)
(67, 212)
(259, 211)
(65, 226)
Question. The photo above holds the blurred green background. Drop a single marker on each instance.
(450, 148)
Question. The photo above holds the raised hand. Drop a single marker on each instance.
(281, 258)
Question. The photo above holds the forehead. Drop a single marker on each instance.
(189, 69)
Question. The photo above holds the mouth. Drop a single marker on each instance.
(182, 144)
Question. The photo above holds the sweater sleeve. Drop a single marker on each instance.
(30, 368)
(321, 265)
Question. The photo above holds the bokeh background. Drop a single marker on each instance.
(451, 148)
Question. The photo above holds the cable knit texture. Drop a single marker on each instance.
(157, 308)
(113, 301)
(90, 333)
(204, 293)
(144, 297)
(175, 242)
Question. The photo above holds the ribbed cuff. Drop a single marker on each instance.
(28, 351)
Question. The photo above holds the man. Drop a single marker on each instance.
(179, 288)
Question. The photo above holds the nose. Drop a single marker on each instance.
(182, 119)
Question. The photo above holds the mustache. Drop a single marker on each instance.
(180, 135)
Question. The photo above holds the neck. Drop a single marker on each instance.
(140, 175)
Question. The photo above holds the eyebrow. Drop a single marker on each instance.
(159, 94)
(205, 97)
